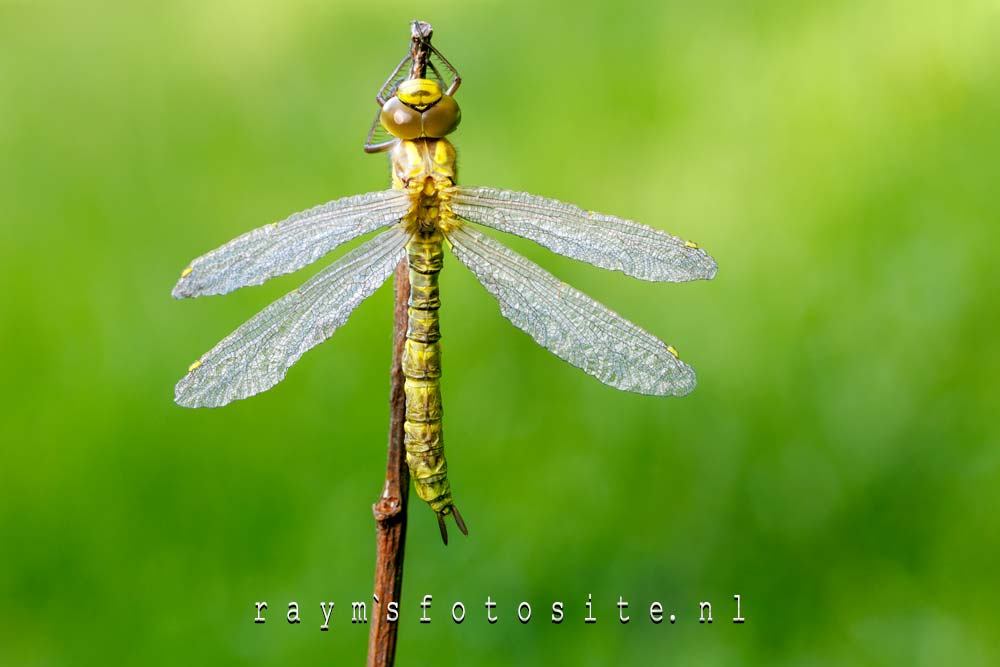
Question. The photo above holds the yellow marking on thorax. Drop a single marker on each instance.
(691, 244)
(413, 156)
(444, 155)
(423, 158)
(426, 168)
(194, 366)
(186, 272)
(673, 350)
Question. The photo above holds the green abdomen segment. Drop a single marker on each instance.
(422, 369)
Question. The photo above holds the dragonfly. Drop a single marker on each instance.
(424, 210)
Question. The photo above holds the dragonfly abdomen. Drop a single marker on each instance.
(422, 369)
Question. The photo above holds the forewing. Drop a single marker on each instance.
(256, 356)
(602, 240)
(286, 246)
(569, 323)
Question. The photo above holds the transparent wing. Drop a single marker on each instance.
(569, 323)
(602, 240)
(256, 356)
(286, 246)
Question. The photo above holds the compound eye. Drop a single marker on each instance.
(442, 118)
(419, 93)
(400, 120)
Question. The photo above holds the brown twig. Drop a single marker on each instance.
(390, 510)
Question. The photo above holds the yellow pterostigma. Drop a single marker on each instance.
(424, 208)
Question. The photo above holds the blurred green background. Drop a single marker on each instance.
(838, 465)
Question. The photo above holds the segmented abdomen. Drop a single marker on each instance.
(422, 369)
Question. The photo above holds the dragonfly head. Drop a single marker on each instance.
(420, 109)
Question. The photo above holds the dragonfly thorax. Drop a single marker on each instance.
(413, 162)
(420, 109)
(426, 168)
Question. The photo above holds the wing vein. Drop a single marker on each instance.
(259, 353)
(605, 241)
(289, 245)
(569, 323)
